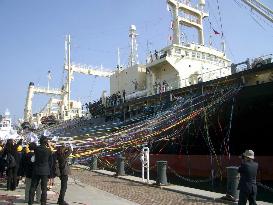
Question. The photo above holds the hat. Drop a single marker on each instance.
(27, 149)
(249, 154)
(19, 148)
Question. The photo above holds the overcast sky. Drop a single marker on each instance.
(32, 34)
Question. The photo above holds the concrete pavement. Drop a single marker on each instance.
(100, 187)
(77, 193)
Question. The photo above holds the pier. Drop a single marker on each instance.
(102, 187)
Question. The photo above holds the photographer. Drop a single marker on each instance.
(247, 184)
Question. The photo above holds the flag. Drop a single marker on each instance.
(49, 75)
(215, 32)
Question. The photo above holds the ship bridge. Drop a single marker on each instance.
(183, 64)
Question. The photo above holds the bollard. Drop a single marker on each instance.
(94, 163)
(232, 183)
(120, 166)
(161, 173)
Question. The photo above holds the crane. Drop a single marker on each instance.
(77, 68)
(260, 8)
(37, 90)
(67, 108)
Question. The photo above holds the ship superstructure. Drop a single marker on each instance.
(178, 65)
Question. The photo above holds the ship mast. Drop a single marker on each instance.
(192, 17)
(133, 57)
(67, 87)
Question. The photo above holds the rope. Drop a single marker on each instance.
(189, 179)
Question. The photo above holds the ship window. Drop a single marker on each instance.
(198, 55)
(193, 54)
(203, 56)
(187, 53)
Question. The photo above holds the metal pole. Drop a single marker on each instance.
(145, 163)
(69, 76)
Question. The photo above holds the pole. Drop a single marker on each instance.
(145, 161)
(69, 76)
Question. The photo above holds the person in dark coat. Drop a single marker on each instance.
(247, 184)
(12, 162)
(28, 166)
(2, 161)
(42, 155)
(62, 154)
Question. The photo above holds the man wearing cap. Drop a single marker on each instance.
(247, 184)
(41, 170)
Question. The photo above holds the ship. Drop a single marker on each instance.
(7, 130)
(189, 104)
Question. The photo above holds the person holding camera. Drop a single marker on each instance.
(247, 184)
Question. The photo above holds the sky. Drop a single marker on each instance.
(32, 34)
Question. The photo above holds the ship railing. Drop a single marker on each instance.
(261, 60)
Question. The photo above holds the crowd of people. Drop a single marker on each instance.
(36, 165)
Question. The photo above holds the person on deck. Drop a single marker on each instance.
(247, 184)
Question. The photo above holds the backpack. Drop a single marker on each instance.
(11, 162)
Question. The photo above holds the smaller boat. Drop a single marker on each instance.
(6, 129)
